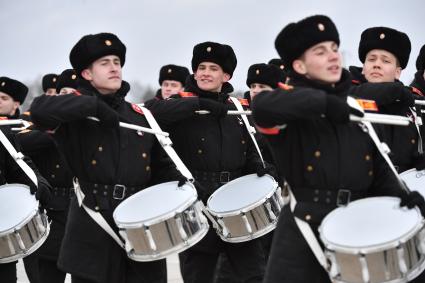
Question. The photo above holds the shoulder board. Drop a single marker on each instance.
(187, 94)
(369, 105)
(137, 108)
(27, 113)
(356, 82)
(268, 131)
(416, 91)
(3, 118)
(284, 86)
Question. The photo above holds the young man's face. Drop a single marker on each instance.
(8, 106)
(210, 77)
(105, 74)
(381, 66)
(51, 91)
(257, 88)
(321, 62)
(169, 88)
(66, 90)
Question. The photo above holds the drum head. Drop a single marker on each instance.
(17, 205)
(369, 222)
(414, 180)
(154, 202)
(241, 193)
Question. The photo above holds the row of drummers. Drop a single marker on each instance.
(365, 239)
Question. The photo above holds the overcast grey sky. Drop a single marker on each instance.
(36, 36)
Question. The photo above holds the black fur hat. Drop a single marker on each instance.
(94, 46)
(67, 78)
(15, 89)
(263, 74)
(391, 40)
(221, 54)
(280, 64)
(173, 73)
(49, 81)
(420, 62)
(296, 38)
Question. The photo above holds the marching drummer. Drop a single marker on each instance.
(12, 94)
(279, 63)
(260, 77)
(110, 163)
(217, 149)
(48, 84)
(42, 149)
(385, 53)
(326, 160)
(419, 80)
(172, 79)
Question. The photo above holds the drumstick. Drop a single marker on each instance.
(420, 102)
(136, 127)
(230, 112)
(382, 119)
(370, 117)
(14, 122)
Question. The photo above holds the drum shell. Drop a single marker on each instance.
(166, 234)
(383, 266)
(390, 261)
(25, 238)
(233, 226)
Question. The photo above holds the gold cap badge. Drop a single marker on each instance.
(321, 26)
(108, 42)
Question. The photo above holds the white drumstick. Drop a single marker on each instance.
(136, 127)
(382, 119)
(420, 102)
(14, 122)
(230, 112)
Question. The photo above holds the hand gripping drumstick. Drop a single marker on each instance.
(136, 128)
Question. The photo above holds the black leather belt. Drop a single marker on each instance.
(116, 192)
(62, 192)
(336, 197)
(216, 177)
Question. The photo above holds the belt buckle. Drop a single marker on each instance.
(224, 177)
(343, 197)
(119, 195)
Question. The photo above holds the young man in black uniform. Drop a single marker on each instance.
(43, 150)
(172, 79)
(316, 146)
(12, 94)
(384, 53)
(49, 84)
(419, 80)
(111, 163)
(217, 149)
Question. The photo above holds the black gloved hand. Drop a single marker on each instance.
(413, 199)
(338, 110)
(108, 117)
(216, 108)
(419, 161)
(268, 169)
(43, 192)
(181, 181)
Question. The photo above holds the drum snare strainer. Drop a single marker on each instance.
(374, 240)
(161, 220)
(23, 228)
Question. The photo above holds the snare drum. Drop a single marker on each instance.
(246, 208)
(23, 229)
(374, 240)
(161, 220)
(415, 180)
